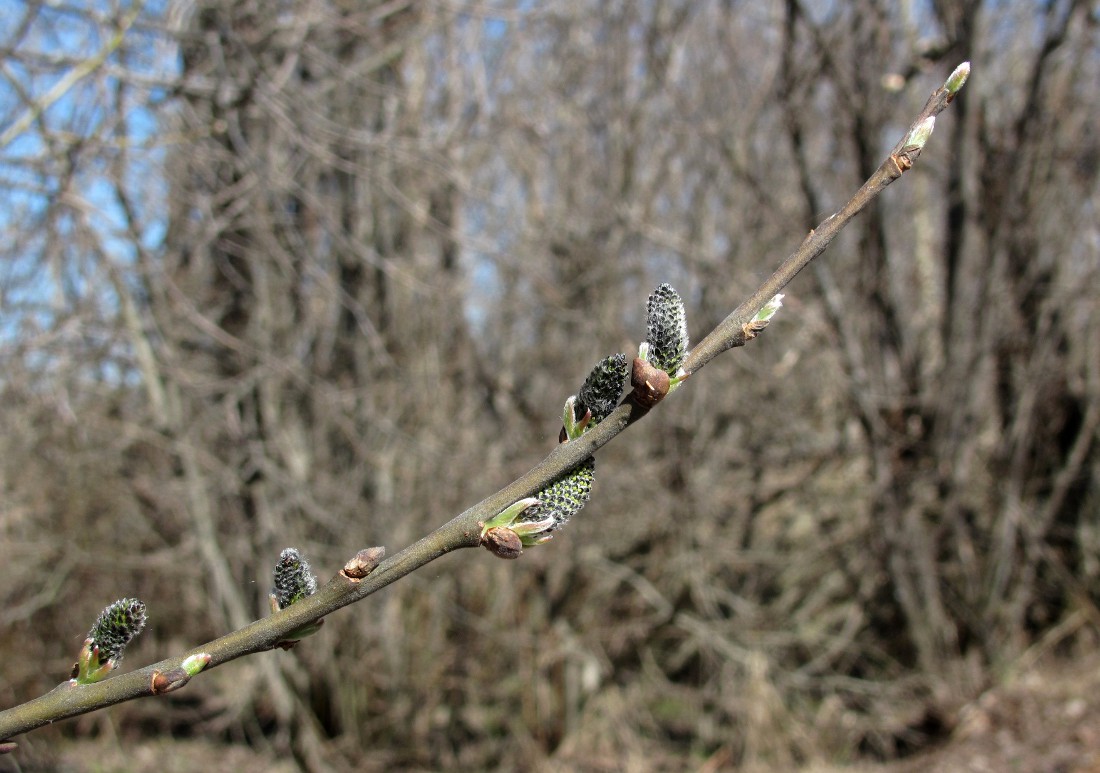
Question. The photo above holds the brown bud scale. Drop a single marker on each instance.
(364, 562)
(502, 542)
(753, 328)
(650, 384)
(167, 681)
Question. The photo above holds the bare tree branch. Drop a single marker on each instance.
(360, 579)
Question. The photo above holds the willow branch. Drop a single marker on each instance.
(365, 573)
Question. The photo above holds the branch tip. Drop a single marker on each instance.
(957, 79)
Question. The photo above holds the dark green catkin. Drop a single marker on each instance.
(565, 497)
(115, 627)
(666, 329)
(602, 389)
(294, 579)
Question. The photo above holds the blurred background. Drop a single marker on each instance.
(320, 273)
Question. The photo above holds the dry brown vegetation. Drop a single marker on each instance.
(321, 273)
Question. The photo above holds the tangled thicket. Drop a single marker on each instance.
(343, 286)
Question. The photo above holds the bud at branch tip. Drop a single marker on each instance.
(957, 79)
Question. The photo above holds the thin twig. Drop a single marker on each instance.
(71, 78)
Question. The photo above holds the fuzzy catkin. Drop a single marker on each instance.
(294, 579)
(565, 497)
(666, 329)
(602, 389)
(116, 626)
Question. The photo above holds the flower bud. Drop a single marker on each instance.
(116, 626)
(602, 389)
(666, 329)
(294, 579)
(957, 78)
(565, 497)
